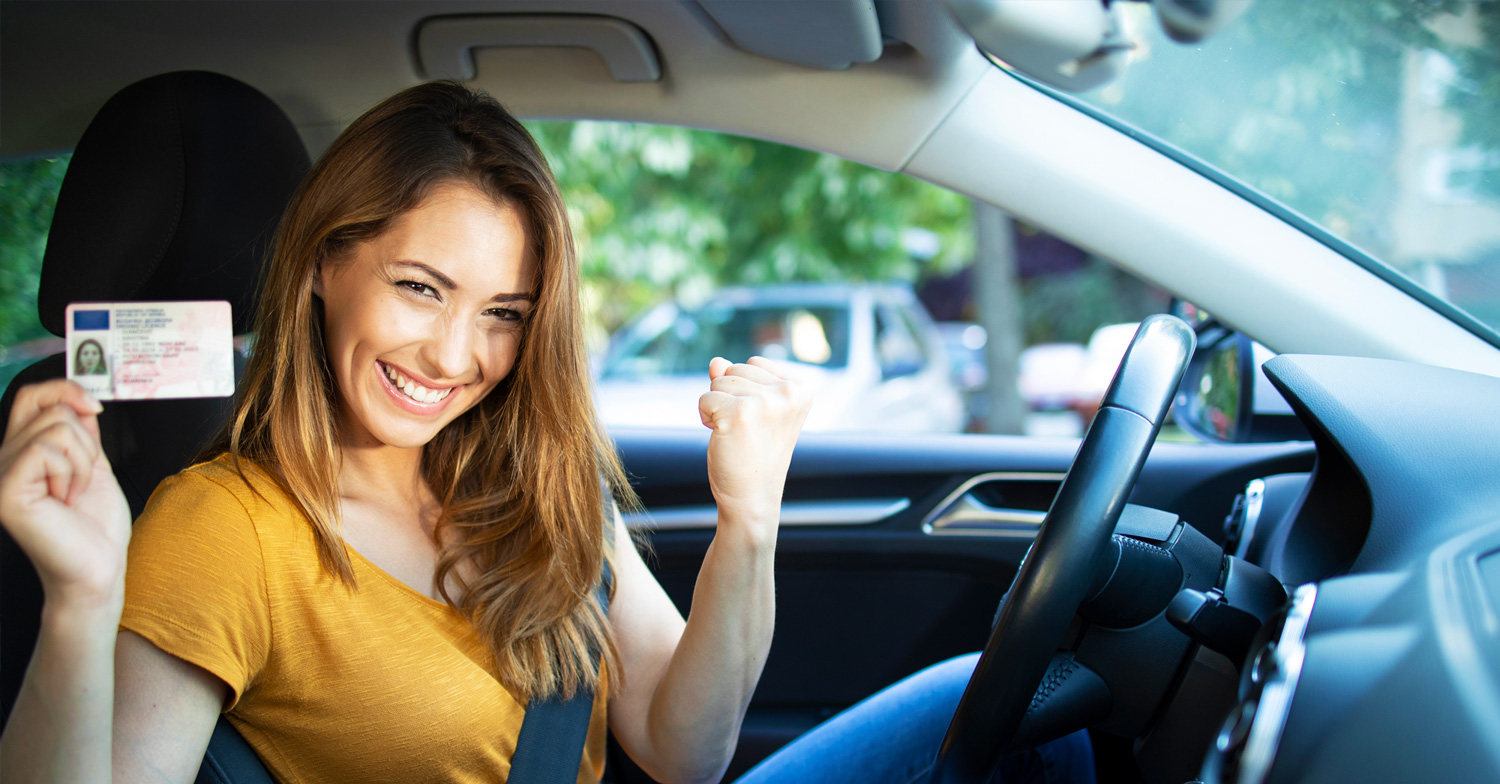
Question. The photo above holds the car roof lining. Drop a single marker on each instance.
(325, 62)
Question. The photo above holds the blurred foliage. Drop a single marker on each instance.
(1068, 307)
(28, 194)
(663, 211)
(1314, 118)
(1476, 96)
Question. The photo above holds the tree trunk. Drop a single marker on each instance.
(998, 298)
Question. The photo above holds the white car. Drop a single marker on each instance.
(877, 358)
(1049, 373)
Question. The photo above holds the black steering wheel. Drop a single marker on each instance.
(1058, 572)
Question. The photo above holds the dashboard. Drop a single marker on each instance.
(1384, 665)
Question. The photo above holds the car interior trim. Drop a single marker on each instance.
(972, 518)
(963, 514)
(326, 82)
(1280, 685)
(1394, 479)
(1255, 496)
(860, 511)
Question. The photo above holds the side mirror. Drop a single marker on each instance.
(1226, 397)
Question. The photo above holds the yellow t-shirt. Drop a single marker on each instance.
(378, 683)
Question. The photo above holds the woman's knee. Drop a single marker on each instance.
(945, 680)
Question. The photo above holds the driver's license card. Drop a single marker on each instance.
(151, 350)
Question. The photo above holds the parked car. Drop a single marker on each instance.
(1383, 665)
(1047, 378)
(1049, 375)
(878, 360)
(1102, 355)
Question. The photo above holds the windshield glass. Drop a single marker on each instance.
(1377, 119)
(670, 341)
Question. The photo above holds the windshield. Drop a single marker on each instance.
(671, 341)
(1378, 120)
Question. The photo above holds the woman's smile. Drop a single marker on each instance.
(418, 397)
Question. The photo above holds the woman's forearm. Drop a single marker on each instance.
(61, 726)
(698, 706)
(693, 717)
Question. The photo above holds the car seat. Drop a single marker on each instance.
(173, 193)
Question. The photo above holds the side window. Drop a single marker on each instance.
(28, 194)
(696, 244)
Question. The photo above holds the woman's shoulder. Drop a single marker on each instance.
(225, 486)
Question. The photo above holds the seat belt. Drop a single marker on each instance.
(549, 749)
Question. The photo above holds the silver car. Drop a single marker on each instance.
(878, 359)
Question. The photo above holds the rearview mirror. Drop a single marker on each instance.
(1078, 45)
(1074, 46)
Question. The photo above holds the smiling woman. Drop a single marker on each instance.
(393, 252)
(404, 510)
(394, 550)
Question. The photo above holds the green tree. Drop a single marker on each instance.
(1314, 120)
(28, 195)
(663, 211)
(1478, 95)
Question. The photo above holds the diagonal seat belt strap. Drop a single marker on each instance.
(549, 749)
(550, 746)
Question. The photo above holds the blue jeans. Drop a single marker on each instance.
(893, 736)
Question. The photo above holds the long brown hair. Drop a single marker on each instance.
(519, 474)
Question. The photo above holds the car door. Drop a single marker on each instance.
(894, 551)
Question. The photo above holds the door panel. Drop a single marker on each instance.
(860, 605)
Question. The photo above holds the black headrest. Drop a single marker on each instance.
(173, 193)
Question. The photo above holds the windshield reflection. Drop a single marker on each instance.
(1376, 119)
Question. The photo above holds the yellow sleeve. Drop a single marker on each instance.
(195, 582)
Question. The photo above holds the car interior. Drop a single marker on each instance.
(1325, 608)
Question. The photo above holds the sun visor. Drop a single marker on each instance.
(828, 34)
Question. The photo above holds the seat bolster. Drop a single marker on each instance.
(230, 760)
